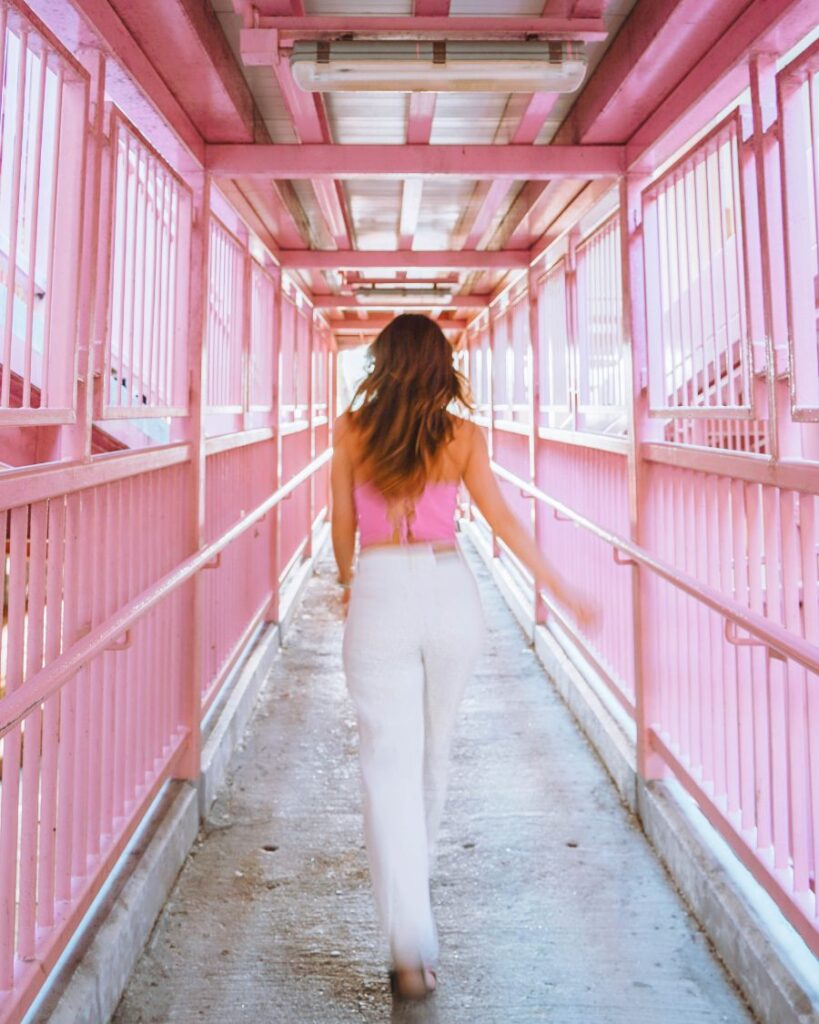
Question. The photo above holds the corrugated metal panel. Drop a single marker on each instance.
(375, 208)
(362, 8)
(441, 209)
(467, 118)
(261, 80)
(360, 117)
(489, 8)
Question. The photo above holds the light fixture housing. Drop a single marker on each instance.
(379, 65)
(402, 297)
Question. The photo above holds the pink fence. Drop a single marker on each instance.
(133, 581)
(45, 104)
(698, 540)
(241, 473)
(149, 230)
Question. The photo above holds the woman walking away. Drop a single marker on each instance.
(415, 626)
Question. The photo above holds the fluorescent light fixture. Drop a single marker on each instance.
(378, 65)
(402, 297)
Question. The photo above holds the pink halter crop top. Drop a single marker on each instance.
(429, 518)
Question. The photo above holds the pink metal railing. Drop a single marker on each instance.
(554, 366)
(736, 718)
(798, 87)
(263, 312)
(145, 366)
(96, 664)
(594, 483)
(241, 472)
(63, 821)
(696, 282)
(44, 102)
(601, 384)
(225, 329)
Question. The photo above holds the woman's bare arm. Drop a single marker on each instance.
(483, 487)
(343, 516)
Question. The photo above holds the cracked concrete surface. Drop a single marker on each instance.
(550, 903)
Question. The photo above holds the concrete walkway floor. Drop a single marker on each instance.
(550, 903)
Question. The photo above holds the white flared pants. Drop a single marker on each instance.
(414, 631)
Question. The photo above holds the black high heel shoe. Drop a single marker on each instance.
(412, 983)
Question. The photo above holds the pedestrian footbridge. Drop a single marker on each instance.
(208, 208)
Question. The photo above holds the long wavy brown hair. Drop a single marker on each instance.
(401, 409)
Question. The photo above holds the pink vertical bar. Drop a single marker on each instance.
(51, 716)
(778, 687)
(45, 396)
(10, 796)
(715, 724)
(35, 213)
(744, 719)
(83, 577)
(98, 564)
(810, 602)
(32, 740)
(14, 215)
(68, 705)
(157, 289)
(797, 705)
(728, 516)
(107, 668)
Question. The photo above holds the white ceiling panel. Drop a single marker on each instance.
(375, 208)
(442, 205)
(360, 117)
(467, 118)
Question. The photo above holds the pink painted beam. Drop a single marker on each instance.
(349, 302)
(260, 45)
(316, 162)
(354, 259)
(310, 124)
(570, 215)
(410, 209)
(374, 324)
(765, 26)
(483, 219)
(420, 114)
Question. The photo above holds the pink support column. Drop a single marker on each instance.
(194, 432)
(311, 485)
(491, 439)
(539, 511)
(646, 691)
(272, 614)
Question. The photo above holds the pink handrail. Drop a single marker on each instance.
(772, 635)
(48, 680)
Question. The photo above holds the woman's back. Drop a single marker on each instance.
(424, 518)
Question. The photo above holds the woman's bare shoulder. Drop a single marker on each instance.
(463, 439)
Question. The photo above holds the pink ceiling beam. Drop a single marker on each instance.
(310, 124)
(485, 215)
(420, 114)
(419, 117)
(349, 302)
(260, 45)
(362, 279)
(410, 210)
(355, 259)
(208, 79)
(314, 162)
(765, 26)
(377, 323)
(544, 204)
(656, 46)
(568, 217)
